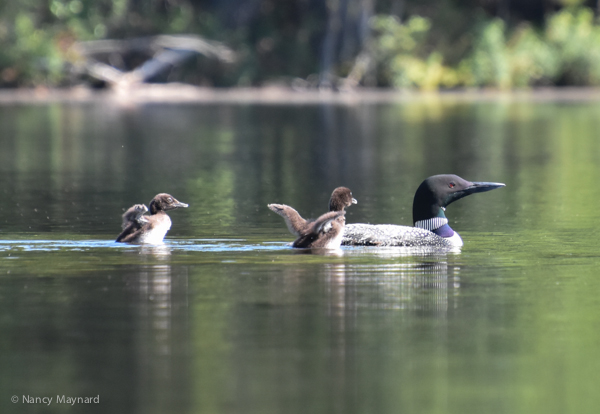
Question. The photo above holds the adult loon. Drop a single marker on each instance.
(153, 228)
(324, 232)
(340, 198)
(431, 225)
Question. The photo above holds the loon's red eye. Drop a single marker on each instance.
(451, 185)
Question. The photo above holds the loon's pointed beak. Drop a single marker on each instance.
(480, 187)
(180, 204)
(354, 201)
(468, 189)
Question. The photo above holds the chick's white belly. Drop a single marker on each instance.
(157, 232)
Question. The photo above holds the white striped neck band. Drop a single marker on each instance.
(432, 223)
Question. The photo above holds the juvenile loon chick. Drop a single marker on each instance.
(325, 232)
(339, 200)
(134, 216)
(431, 225)
(158, 222)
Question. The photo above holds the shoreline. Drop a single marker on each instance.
(180, 93)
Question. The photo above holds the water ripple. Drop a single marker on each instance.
(209, 245)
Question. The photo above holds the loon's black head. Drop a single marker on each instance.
(164, 202)
(436, 192)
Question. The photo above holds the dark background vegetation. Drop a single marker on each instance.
(425, 44)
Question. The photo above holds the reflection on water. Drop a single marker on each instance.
(156, 250)
(320, 252)
(343, 325)
(161, 337)
(122, 335)
(226, 317)
(165, 249)
(424, 286)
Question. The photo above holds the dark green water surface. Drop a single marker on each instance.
(226, 318)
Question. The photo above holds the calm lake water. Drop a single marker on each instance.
(226, 318)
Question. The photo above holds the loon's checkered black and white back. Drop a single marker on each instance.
(384, 235)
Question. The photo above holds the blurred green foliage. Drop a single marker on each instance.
(428, 48)
(403, 58)
(575, 36)
(565, 51)
(397, 50)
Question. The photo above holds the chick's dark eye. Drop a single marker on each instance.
(170, 200)
(451, 185)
